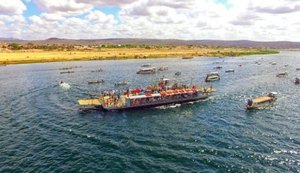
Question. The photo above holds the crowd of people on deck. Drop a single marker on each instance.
(114, 97)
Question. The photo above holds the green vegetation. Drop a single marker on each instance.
(15, 46)
(250, 52)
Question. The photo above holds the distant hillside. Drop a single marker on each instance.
(255, 44)
(223, 43)
(8, 39)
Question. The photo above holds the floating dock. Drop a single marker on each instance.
(89, 102)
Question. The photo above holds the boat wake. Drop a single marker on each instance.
(168, 106)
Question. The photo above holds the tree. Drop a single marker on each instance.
(14, 46)
(30, 45)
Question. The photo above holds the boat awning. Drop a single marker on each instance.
(143, 96)
(148, 69)
(213, 74)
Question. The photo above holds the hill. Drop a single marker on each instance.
(175, 42)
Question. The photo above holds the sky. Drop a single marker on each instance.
(260, 20)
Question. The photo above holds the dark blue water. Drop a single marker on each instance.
(42, 129)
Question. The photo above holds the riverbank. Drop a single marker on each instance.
(42, 56)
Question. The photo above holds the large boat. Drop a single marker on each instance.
(262, 101)
(213, 76)
(151, 70)
(162, 93)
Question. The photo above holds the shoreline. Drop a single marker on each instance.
(41, 56)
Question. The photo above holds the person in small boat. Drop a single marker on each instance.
(271, 95)
(250, 102)
(297, 80)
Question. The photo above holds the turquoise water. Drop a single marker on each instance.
(42, 129)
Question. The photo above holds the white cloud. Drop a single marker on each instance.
(277, 7)
(12, 7)
(107, 2)
(12, 26)
(95, 24)
(100, 17)
(67, 7)
(52, 17)
(189, 19)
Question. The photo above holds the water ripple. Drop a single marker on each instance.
(42, 129)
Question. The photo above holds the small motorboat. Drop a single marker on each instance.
(229, 70)
(258, 63)
(273, 63)
(99, 70)
(297, 69)
(297, 81)
(151, 70)
(178, 73)
(283, 74)
(69, 68)
(121, 83)
(64, 85)
(187, 57)
(163, 68)
(66, 72)
(146, 65)
(66, 68)
(262, 101)
(218, 67)
(96, 81)
(213, 76)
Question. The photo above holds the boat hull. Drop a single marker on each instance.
(140, 72)
(262, 105)
(211, 79)
(202, 97)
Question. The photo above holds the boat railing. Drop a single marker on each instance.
(164, 99)
(120, 101)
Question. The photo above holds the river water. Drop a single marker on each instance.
(43, 130)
